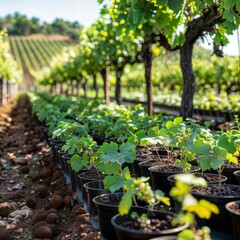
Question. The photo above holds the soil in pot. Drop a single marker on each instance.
(228, 171)
(145, 165)
(94, 189)
(150, 157)
(160, 225)
(210, 178)
(159, 175)
(234, 211)
(220, 198)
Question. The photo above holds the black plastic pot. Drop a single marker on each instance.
(54, 143)
(159, 178)
(45, 134)
(165, 238)
(177, 205)
(150, 157)
(78, 183)
(94, 189)
(124, 233)
(136, 168)
(229, 173)
(107, 207)
(145, 165)
(66, 170)
(235, 218)
(237, 176)
(60, 154)
(221, 220)
(56, 149)
(86, 177)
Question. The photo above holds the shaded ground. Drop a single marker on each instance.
(35, 202)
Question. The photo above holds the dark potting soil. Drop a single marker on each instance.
(213, 190)
(168, 168)
(162, 207)
(152, 224)
(109, 200)
(210, 178)
(235, 207)
(232, 165)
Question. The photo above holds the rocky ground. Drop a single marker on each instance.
(35, 202)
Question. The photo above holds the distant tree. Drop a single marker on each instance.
(19, 24)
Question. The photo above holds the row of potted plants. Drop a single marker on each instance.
(112, 140)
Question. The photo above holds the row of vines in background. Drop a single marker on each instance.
(32, 54)
(151, 45)
(218, 77)
(10, 74)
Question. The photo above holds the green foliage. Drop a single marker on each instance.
(119, 154)
(8, 67)
(139, 188)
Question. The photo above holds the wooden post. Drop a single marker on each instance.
(1, 91)
(106, 80)
(4, 91)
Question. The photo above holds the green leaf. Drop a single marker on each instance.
(228, 15)
(140, 134)
(113, 183)
(178, 120)
(161, 198)
(218, 151)
(238, 6)
(170, 124)
(125, 203)
(228, 3)
(186, 234)
(175, 4)
(76, 162)
(112, 168)
(126, 173)
(190, 145)
(207, 124)
(204, 149)
(217, 163)
(161, 2)
(205, 162)
(125, 153)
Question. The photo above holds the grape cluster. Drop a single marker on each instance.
(144, 191)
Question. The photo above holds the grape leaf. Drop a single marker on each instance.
(125, 203)
(113, 183)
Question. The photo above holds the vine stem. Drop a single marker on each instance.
(135, 200)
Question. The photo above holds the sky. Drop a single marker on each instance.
(83, 11)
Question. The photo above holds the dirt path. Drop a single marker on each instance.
(35, 202)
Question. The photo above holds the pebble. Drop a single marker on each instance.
(11, 226)
(13, 220)
(20, 230)
(4, 209)
(3, 223)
